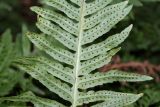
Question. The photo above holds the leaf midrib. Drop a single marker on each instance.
(78, 54)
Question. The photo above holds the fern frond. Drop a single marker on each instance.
(54, 64)
(96, 79)
(61, 35)
(6, 76)
(6, 50)
(96, 6)
(47, 65)
(53, 84)
(64, 6)
(9, 50)
(7, 54)
(106, 45)
(97, 62)
(57, 53)
(37, 101)
(108, 96)
(64, 22)
(103, 13)
(68, 72)
(124, 101)
(151, 96)
(106, 25)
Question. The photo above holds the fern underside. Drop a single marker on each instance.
(69, 72)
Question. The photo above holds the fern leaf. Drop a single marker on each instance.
(124, 101)
(99, 61)
(54, 64)
(104, 26)
(103, 13)
(108, 96)
(96, 6)
(45, 65)
(61, 35)
(92, 80)
(75, 23)
(151, 97)
(6, 50)
(42, 43)
(64, 22)
(106, 45)
(64, 6)
(53, 84)
(37, 101)
(6, 76)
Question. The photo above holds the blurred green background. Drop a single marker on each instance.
(140, 52)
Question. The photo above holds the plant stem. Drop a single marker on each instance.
(78, 53)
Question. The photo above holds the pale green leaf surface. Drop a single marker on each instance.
(92, 80)
(106, 45)
(124, 101)
(107, 96)
(45, 65)
(65, 7)
(57, 53)
(53, 84)
(30, 97)
(96, 5)
(105, 26)
(97, 62)
(49, 62)
(57, 29)
(103, 13)
(63, 21)
(59, 34)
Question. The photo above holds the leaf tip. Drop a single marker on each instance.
(126, 2)
(149, 78)
(131, 26)
(146, 78)
(33, 8)
(140, 95)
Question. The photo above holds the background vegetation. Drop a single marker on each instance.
(140, 53)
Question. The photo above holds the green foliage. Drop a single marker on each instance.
(151, 98)
(71, 72)
(146, 32)
(6, 73)
(9, 76)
